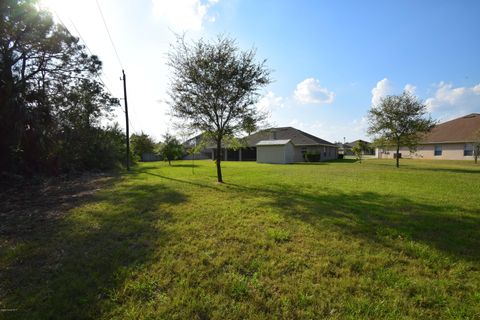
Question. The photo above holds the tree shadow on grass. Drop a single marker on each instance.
(380, 219)
(369, 215)
(449, 170)
(69, 268)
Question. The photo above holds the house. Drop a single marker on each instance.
(369, 150)
(192, 143)
(451, 140)
(346, 148)
(281, 145)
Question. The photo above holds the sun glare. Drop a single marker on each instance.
(71, 8)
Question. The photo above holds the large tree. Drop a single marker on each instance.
(214, 88)
(50, 102)
(399, 120)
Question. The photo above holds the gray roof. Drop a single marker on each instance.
(297, 137)
(354, 143)
(272, 142)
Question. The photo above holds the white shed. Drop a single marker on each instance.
(275, 151)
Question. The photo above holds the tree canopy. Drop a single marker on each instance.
(142, 143)
(359, 149)
(214, 88)
(399, 120)
(51, 102)
(171, 148)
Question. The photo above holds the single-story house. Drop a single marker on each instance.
(192, 144)
(265, 146)
(346, 148)
(451, 140)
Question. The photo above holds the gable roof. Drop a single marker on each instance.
(273, 142)
(354, 143)
(462, 129)
(297, 137)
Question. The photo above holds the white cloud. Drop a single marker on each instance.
(454, 100)
(410, 88)
(183, 15)
(309, 91)
(270, 102)
(382, 89)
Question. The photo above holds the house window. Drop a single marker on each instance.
(468, 150)
(438, 150)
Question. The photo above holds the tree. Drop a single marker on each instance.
(214, 88)
(142, 143)
(399, 121)
(50, 102)
(359, 149)
(476, 146)
(171, 149)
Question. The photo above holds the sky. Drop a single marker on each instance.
(330, 60)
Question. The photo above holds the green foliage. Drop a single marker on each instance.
(399, 121)
(50, 102)
(359, 149)
(214, 88)
(171, 149)
(321, 241)
(142, 143)
(312, 156)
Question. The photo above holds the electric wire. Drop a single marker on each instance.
(84, 42)
(109, 35)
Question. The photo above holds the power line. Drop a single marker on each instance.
(109, 35)
(91, 53)
(85, 43)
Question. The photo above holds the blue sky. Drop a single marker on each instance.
(331, 59)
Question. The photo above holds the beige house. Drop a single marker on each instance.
(451, 140)
(269, 143)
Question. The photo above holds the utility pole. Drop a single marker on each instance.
(126, 119)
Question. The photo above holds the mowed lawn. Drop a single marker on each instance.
(339, 240)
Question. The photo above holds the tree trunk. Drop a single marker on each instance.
(398, 155)
(219, 159)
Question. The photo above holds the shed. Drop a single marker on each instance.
(275, 151)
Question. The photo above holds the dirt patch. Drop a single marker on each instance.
(26, 209)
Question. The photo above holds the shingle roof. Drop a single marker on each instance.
(298, 137)
(272, 142)
(462, 129)
(354, 143)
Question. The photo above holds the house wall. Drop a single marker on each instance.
(450, 151)
(326, 153)
(275, 154)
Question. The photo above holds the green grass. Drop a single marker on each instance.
(338, 240)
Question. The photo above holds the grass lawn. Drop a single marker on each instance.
(338, 240)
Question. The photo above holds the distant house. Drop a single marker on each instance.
(281, 145)
(451, 140)
(190, 144)
(368, 151)
(346, 148)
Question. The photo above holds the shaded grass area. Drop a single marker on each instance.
(332, 240)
